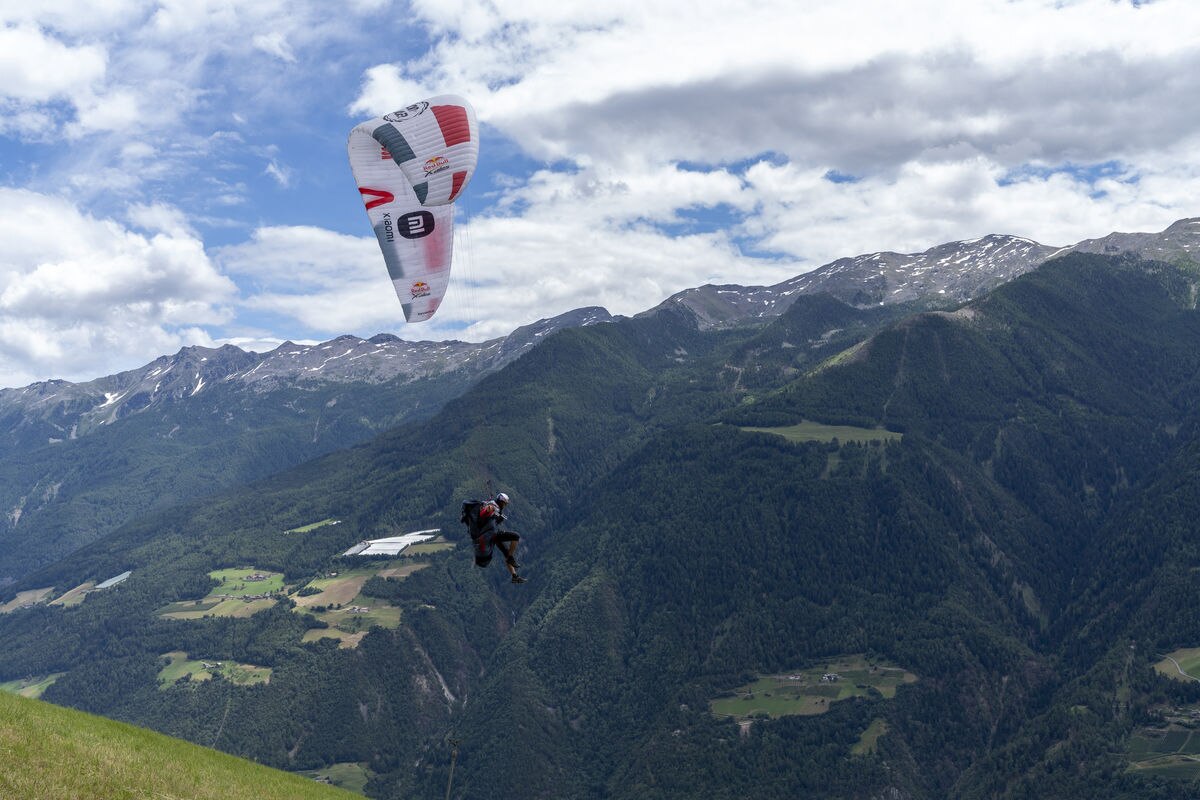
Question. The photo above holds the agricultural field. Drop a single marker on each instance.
(438, 545)
(229, 607)
(402, 571)
(314, 525)
(179, 666)
(809, 692)
(816, 432)
(75, 596)
(232, 597)
(337, 589)
(28, 597)
(349, 614)
(349, 776)
(360, 615)
(1182, 665)
(1169, 750)
(243, 581)
(31, 687)
(346, 640)
(334, 599)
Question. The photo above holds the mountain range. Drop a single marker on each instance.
(894, 549)
(78, 459)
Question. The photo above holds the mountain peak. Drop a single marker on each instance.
(944, 275)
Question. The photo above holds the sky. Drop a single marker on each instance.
(174, 172)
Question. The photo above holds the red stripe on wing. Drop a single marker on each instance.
(453, 122)
(456, 183)
(381, 196)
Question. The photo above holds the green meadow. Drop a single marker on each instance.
(312, 526)
(806, 692)
(866, 743)
(438, 545)
(816, 432)
(333, 598)
(1171, 750)
(349, 776)
(54, 753)
(229, 598)
(31, 687)
(239, 582)
(1187, 660)
(179, 666)
(349, 614)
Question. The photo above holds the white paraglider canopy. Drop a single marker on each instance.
(410, 166)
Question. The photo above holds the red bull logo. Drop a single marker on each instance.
(420, 289)
(436, 164)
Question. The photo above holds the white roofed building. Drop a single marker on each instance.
(392, 545)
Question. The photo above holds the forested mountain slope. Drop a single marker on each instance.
(1023, 556)
(77, 460)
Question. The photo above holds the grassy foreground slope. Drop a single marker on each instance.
(53, 753)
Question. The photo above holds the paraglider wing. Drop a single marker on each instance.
(410, 165)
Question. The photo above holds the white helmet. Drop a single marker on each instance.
(502, 499)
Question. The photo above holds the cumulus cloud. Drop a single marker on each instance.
(632, 149)
(1046, 119)
(28, 51)
(79, 295)
(327, 282)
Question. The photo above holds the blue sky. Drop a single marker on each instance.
(174, 173)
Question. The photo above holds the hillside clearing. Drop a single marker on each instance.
(180, 666)
(312, 526)
(817, 432)
(31, 687)
(26, 598)
(1181, 665)
(811, 691)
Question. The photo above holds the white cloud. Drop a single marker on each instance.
(645, 146)
(996, 117)
(856, 84)
(275, 44)
(37, 67)
(328, 282)
(74, 17)
(279, 173)
(80, 295)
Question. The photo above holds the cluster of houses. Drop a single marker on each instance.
(828, 677)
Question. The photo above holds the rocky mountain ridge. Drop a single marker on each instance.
(945, 275)
(58, 410)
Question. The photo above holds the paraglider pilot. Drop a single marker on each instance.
(483, 519)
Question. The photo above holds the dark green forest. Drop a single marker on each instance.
(1028, 550)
